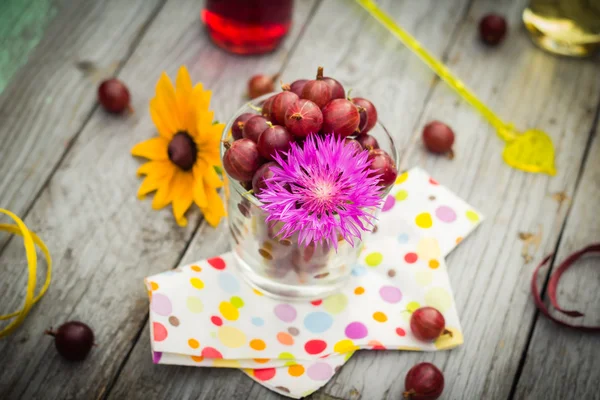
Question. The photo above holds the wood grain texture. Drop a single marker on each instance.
(103, 240)
(46, 103)
(370, 43)
(489, 276)
(562, 363)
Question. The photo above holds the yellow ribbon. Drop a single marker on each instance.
(530, 151)
(30, 239)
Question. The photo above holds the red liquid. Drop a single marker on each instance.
(248, 26)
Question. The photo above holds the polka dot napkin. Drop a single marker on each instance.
(205, 315)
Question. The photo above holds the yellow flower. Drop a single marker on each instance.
(183, 157)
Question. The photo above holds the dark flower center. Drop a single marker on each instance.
(182, 151)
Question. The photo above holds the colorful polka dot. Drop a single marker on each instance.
(445, 214)
(220, 363)
(156, 356)
(401, 178)
(388, 204)
(285, 312)
(402, 238)
(231, 337)
(423, 277)
(379, 316)
(316, 302)
(315, 346)
(216, 262)
(433, 181)
(159, 331)
(236, 302)
(211, 352)
(258, 344)
(196, 268)
(228, 283)
(153, 285)
(424, 220)
(390, 294)
(401, 195)
(410, 258)
(258, 293)
(438, 298)
(194, 304)
(320, 371)
(356, 330)
(258, 321)
(400, 332)
(459, 239)
(193, 343)
(296, 370)
(434, 264)
(336, 303)
(472, 216)
(161, 304)
(358, 270)
(197, 283)
(318, 322)
(264, 374)
(216, 320)
(173, 320)
(262, 360)
(286, 356)
(344, 346)
(428, 248)
(228, 311)
(197, 358)
(285, 339)
(293, 331)
(412, 306)
(374, 259)
(376, 345)
(359, 290)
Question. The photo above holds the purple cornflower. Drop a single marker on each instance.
(321, 191)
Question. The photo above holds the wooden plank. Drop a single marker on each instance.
(49, 99)
(103, 240)
(490, 278)
(379, 75)
(562, 363)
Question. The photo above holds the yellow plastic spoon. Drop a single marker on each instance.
(530, 151)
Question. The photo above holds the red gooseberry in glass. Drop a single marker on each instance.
(383, 165)
(438, 138)
(424, 381)
(368, 142)
(303, 118)
(73, 340)
(114, 96)
(253, 127)
(317, 90)
(354, 144)
(265, 111)
(337, 90)
(371, 116)
(274, 139)
(340, 117)
(428, 324)
(259, 85)
(238, 125)
(263, 173)
(295, 87)
(241, 159)
(280, 104)
(492, 29)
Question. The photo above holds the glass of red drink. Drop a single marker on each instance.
(248, 26)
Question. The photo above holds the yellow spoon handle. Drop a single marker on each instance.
(504, 130)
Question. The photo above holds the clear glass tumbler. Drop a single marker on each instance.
(281, 267)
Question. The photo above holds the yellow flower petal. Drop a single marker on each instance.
(150, 184)
(199, 193)
(159, 168)
(167, 101)
(162, 119)
(201, 97)
(183, 95)
(154, 149)
(215, 209)
(182, 195)
(206, 173)
(204, 120)
(164, 194)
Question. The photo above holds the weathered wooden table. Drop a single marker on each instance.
(65, 168)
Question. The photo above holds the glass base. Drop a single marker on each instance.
(281, 291)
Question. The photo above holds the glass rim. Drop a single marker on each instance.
(253, 104)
